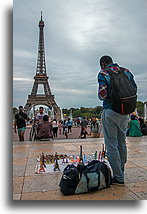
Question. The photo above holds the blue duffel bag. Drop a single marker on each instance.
(94, 176)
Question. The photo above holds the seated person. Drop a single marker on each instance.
(44, 129)
(134, 127)
(143, 126)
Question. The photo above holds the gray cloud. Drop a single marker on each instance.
(77, 34)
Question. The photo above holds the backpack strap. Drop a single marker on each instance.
(110, 72)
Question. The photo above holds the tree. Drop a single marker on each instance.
(15, 111)
(140, 108)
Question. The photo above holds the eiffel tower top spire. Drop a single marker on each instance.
(41, 15)
(41, 66)
(41, 22)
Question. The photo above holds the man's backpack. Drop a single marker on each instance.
(94, 176)
(122, 92)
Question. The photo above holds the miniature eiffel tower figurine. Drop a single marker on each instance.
(81, 156)
(103, 151)
(56, 165)
(41, 78)
(42, 163)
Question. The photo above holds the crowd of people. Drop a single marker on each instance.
(51, 128)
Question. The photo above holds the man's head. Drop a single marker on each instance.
(20, 108)
(105, 61)
(41, 110)
(45, 118)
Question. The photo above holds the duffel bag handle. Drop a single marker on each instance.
(69, 166)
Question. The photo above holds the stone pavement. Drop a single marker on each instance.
(30, 186)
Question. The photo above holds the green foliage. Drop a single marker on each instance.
(140, 108)
(96, 111)
(66, 111)
(81, 112)
(15, 111)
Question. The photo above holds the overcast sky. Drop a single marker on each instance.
(77, 34)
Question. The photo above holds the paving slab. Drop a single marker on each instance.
(30, 186)
(17, 185)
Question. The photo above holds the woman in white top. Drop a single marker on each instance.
(55, 128)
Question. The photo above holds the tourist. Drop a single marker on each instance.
(78, 122)
(83, 133)
(40, 115)
(55, 128)
(64, 126)
(143, 126)
(69, 125)
(60, 125)
(134, 127)
(84, 122)
(66, 132)
(94, 127)
(44, 129)
(20, 122)
(75, 122)
(114, 124)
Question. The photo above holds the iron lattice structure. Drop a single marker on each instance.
(41, 77)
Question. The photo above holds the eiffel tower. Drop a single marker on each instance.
(41, 78)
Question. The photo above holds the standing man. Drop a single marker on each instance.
(84, 123)
(69, 125)
(114, 123)
(40, 115)
(20, 122)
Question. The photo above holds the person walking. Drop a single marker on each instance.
(64, 126)
(69, 125)
(20, 122)
(60, 125)
(94, 128)
(55, 128)
(114, 123)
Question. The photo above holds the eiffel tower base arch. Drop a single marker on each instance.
(47, 100)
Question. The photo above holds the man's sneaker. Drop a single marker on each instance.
(118, 183)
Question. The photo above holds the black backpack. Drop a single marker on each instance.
(122, 92)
